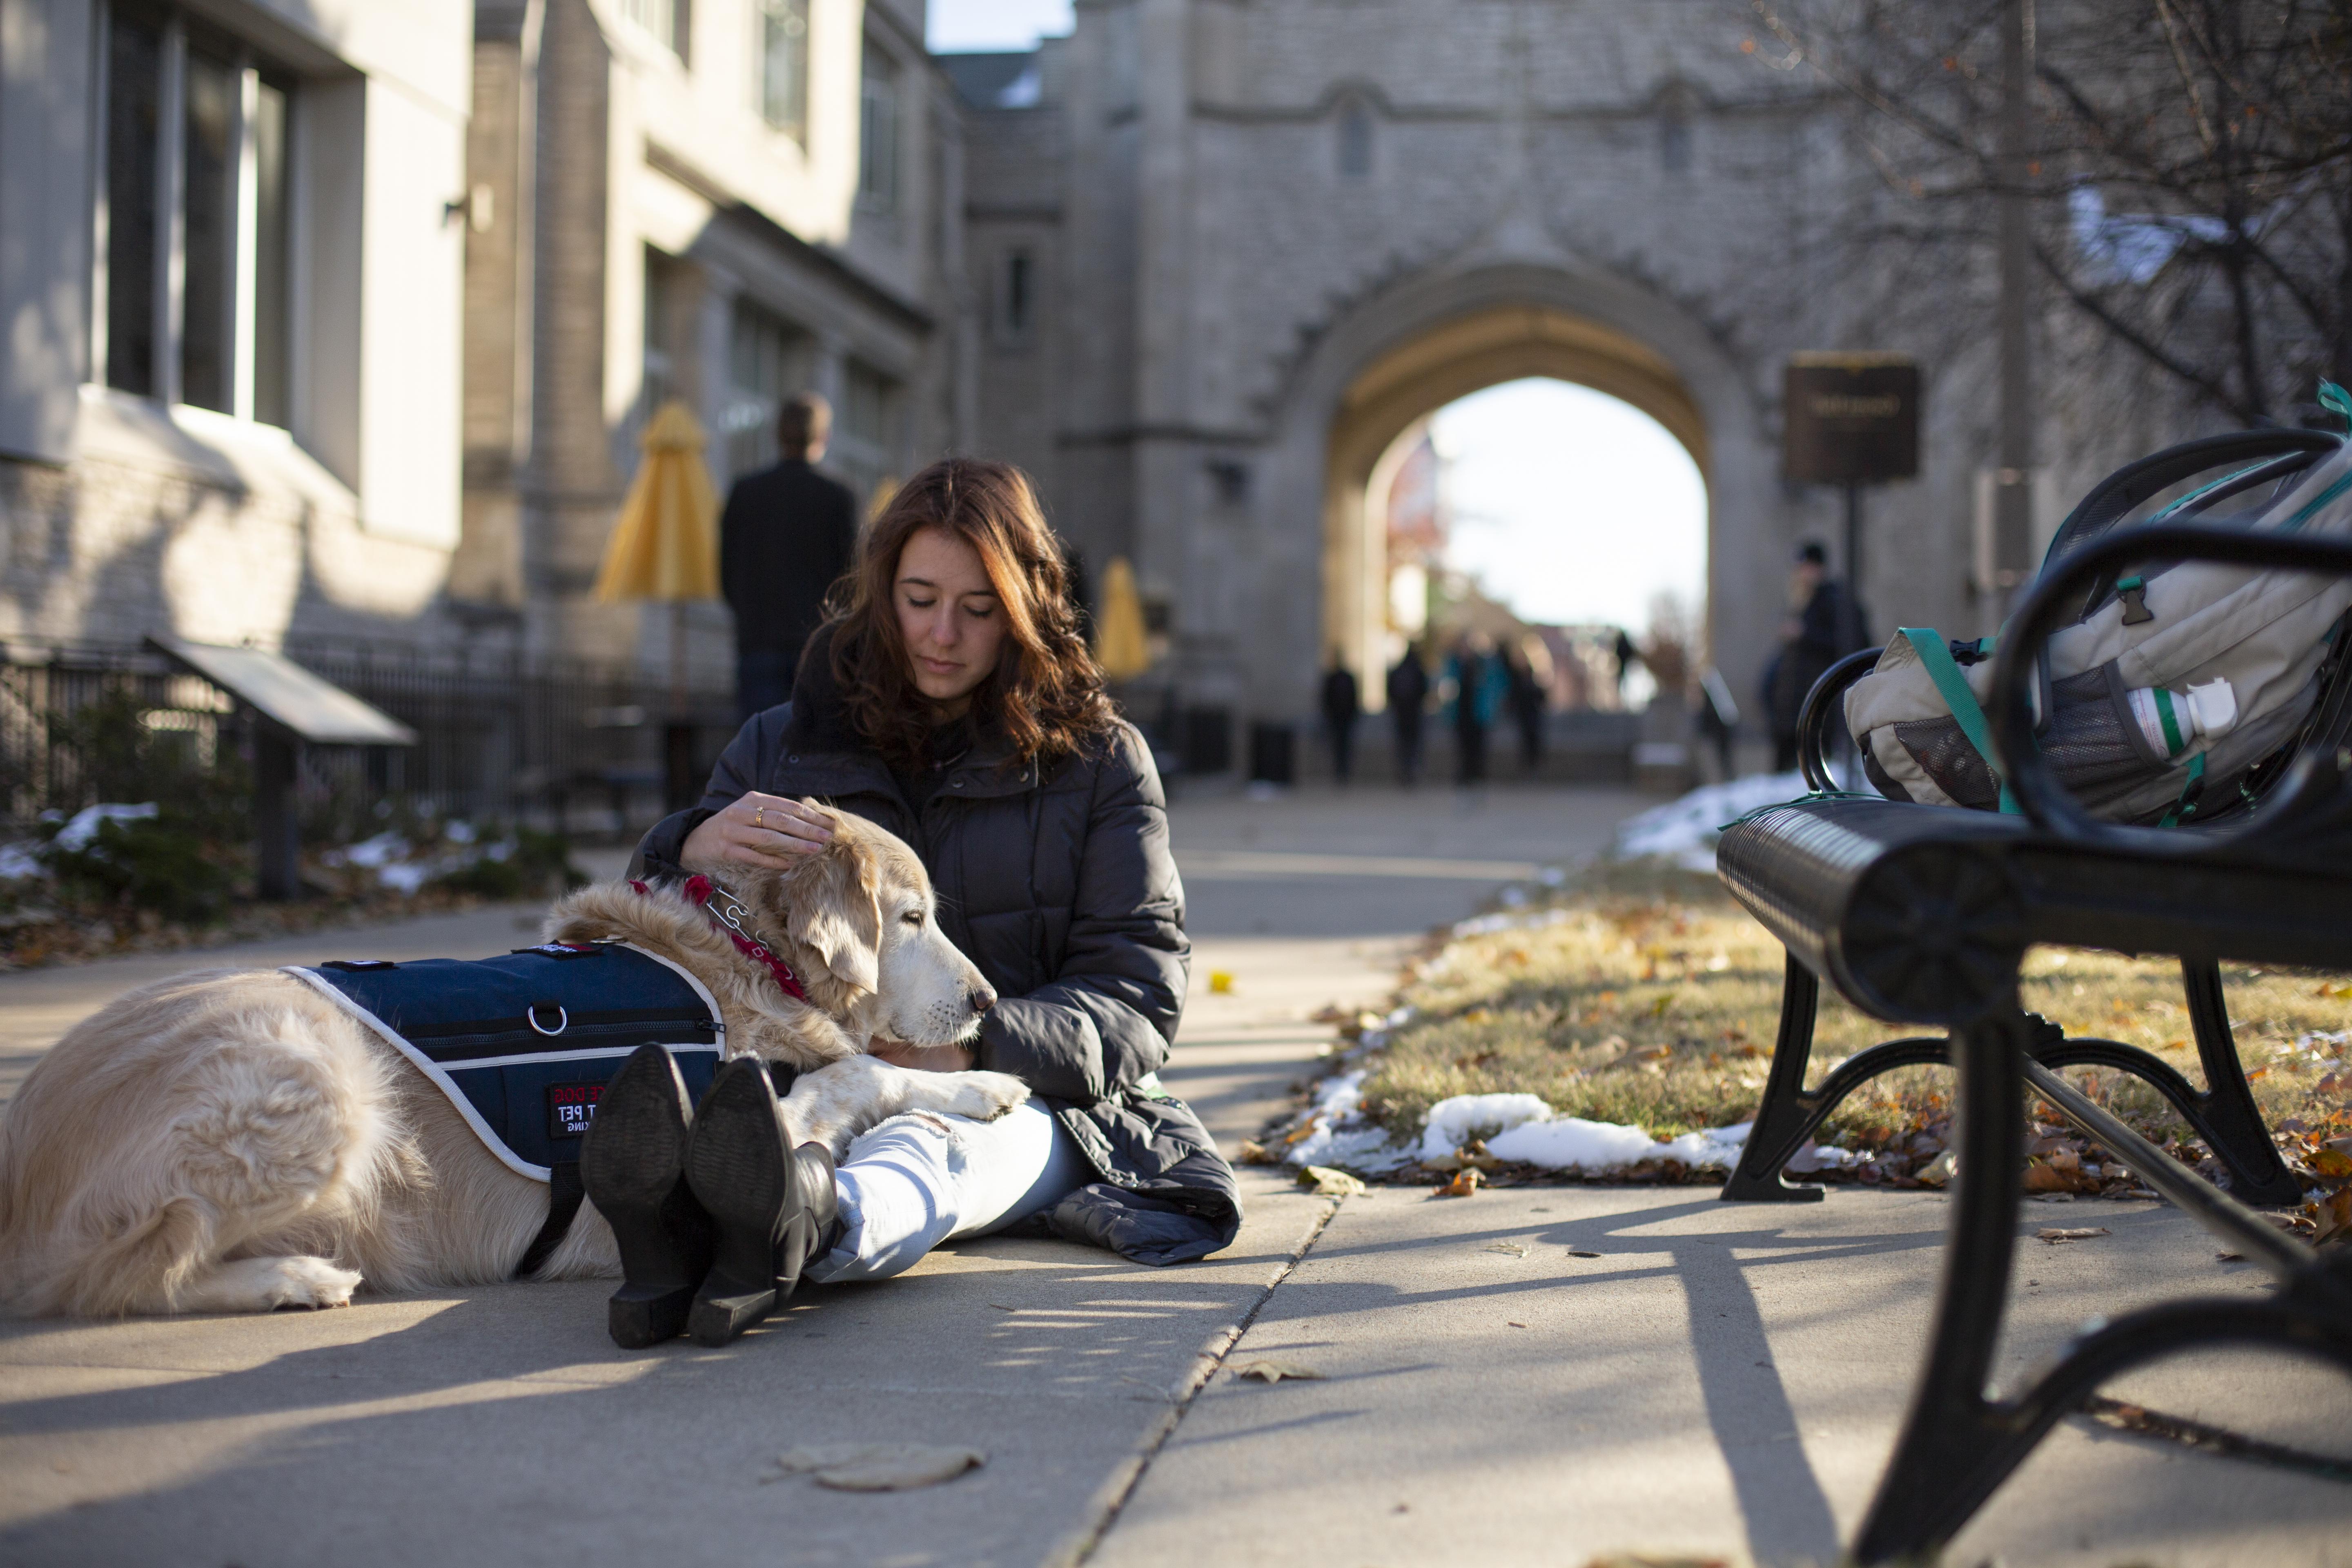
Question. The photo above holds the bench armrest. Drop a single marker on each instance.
(2044, 800)
(1821, 703)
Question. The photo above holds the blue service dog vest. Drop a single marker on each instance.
(524, 1045)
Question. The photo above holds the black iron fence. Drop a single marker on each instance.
(553, 744)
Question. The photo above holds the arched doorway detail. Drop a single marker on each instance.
(1395, 358)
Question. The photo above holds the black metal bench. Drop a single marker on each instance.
(1923, 915)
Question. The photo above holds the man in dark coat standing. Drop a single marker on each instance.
(1408, 697)
(788, 532)
(1341, 707)
(1825, 623)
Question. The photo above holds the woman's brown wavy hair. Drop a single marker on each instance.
(1046, 694)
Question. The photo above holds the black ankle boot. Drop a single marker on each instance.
(633, 1168)
(772, 1206)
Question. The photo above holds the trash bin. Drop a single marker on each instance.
(1208, 745)
(1273, 758)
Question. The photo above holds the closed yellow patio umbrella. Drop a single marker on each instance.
(1119, 645)
(664, 548)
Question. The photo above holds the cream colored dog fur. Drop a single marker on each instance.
(233, 1142)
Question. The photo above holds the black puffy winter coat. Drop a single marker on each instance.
(1058, 882)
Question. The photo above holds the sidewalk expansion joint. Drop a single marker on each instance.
(1121, 1486)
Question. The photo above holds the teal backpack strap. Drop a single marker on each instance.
(1953, 686)
(2191, 788)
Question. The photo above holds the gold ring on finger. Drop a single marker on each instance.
(758, 817)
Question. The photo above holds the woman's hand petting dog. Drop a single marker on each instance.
(923, 1058)
(759, 830)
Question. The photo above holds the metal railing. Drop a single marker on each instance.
(555, 743)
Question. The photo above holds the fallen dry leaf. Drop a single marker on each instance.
(878, 1467)
(1253, 1152)
(1466, 1183)
(1514, 1248)
(1574, 1252)
(1326, 1183)
(1510, 1323)
(2053, 1235)
(1276, 1371)
(2332, 1162)
(2230, 1258)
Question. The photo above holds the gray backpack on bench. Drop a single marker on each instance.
(2170, 687)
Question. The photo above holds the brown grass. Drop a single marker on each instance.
(1652, 998)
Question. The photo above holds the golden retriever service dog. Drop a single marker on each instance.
(235, 1142)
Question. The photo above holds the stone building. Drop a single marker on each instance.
(230, 272)
(1230, 252)
(342, 318)
(726, 201)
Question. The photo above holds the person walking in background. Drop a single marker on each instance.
(1823, 624)
(787, 535)
(1408, 690)
(1341, 708)
(1479, 686)
(1528, 667)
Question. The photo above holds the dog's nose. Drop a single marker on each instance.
(982, 999)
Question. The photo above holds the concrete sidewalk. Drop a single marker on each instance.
(1718, 1381)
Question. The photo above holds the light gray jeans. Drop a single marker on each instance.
(917, 1180)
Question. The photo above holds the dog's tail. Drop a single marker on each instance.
(142, 1266)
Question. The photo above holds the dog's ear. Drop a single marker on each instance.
(833, 907)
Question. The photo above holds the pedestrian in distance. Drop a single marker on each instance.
(1341, 708)
(1479, 686)
(1526, 666)
(951, 700)
(787, 535)
(1824, 624)
(1408, 693)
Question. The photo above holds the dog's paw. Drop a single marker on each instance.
(985, 1096)
(301, 1284)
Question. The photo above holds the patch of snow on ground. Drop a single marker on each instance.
(1572, 1144)
(1518, 1127)
(1453, 1123)
(76, 835)
(1336, 1134)
(1685, 830)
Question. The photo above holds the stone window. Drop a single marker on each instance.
(666, 20)
(866, 441)
(1676, 107)
(877, 134)
(1355, 140)
(191, 219)
(783, 57)
(664, 310)
(768, 359)
(1017, 300)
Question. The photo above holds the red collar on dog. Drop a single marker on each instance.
(729, 916)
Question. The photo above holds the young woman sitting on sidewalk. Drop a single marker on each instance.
(951, 700)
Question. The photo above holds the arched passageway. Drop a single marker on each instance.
(1394, 394)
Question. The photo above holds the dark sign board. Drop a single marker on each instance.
(1850, 418)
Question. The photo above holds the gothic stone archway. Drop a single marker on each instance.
(1451, 360)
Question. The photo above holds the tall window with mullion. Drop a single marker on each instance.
(878, 132)
(193, 219)
(866, 442)
(784, 61)
(768, 358)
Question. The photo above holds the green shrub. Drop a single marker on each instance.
(161, 863)
(535, 865)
